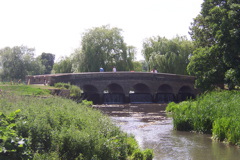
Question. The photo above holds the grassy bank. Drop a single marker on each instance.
(216, 113)
(21, 89)
(57, 128)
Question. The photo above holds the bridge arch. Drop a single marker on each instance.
(185, 92)
(140, 88)
(164, 94)
(127, 83)
(114, 88)
(113, 94)
(140, 93)
(91, 93)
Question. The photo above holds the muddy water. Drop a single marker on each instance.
(153, 129)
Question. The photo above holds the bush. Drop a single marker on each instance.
(75, 91)
(214, 112)
(12, 146)
(62, 85)
(62, 129)
(148, 154)
(137, 155)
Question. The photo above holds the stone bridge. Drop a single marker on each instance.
(125, 87)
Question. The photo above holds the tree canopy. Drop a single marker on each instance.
(17, 62)
(63, 66)
(103, 47)
(216, 35)
(47, 60)
(168, 55)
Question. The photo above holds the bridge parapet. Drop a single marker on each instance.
(126, 83)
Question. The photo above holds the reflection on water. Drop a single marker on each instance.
(153, 129)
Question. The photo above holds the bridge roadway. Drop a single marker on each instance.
(125, 87)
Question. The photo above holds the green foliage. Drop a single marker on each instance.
(87, 103)
(137, 155)
(12, 146)
(24, 89)
(214, 112)
(62, 85)
(17, 62)
(75, 91)
(63, 66)
(168, 56)
(103, 47)
(63, 129)
(47, 59)
(148, 154)
(215, 32)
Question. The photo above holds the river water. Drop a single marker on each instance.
(153, 129)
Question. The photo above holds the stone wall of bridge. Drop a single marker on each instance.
(99, 86)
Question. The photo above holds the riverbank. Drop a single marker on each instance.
(153, 128)
(216, 113)
(58, 128)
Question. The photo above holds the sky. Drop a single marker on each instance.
(56, 26)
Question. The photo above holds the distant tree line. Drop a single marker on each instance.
(105, 47)
(216, 36)
(213, 54)
(19, 61)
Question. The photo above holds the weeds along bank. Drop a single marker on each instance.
(215, 112)
(56, 128)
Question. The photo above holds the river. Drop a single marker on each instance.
(153, 129)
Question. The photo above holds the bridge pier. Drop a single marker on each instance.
(125, 87)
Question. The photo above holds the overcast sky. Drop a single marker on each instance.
(56, 26)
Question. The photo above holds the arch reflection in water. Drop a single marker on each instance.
(165, 94)
(113, 94)
(164, 97)
(140, 98)
(113, 98)
(140, 93)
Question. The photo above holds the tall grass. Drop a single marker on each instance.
(214, 112)
(21, 89)
(63, 129)
(75, 91)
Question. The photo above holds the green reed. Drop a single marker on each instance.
(215, 112)
(60, 128)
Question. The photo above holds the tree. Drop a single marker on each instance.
(47, 60)
(17, 62)
(63, 66)
(104, 47)
(168, 56)
(216, 35)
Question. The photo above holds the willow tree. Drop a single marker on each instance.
(104, 47)
(63, 66)
(17, 62)
(168, 55)
(216, 34)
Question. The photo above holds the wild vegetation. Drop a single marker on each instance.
(215, 112)
(57, 128)
(168, 55)
(215, 34)
(75, 91)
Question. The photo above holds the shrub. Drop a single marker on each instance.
(75, 91)
(12, 146)
(137, 155)
(62, 85)
(148, 154)
(63, 129)
(214, 112)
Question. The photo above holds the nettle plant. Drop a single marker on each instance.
(12, 146)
